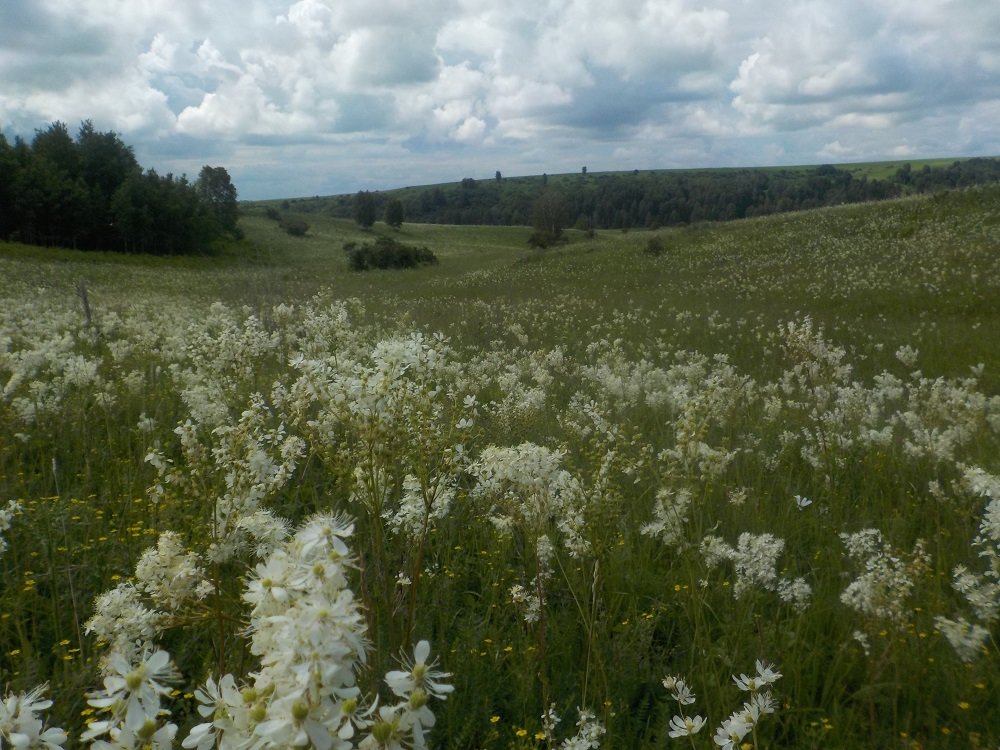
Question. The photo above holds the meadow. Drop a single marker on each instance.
(741, 493)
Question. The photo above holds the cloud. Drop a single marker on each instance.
(424, 85)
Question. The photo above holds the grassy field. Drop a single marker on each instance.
(591, 478)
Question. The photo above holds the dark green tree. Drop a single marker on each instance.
(394, 213)
(550, 215)
(217, 192)
(55, 145)
(364, 209)
(161, 215)
(8, 172)
(105, 163)
(49, 204)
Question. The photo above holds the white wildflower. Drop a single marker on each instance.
(6, 514)
(20, 725)
(685, 726)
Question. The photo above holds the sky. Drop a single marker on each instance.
(317, 97)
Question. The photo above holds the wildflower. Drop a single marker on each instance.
(419, 675)
(20, 726)
(880, 592)
(669, 516)
(682, 693)
(226, 710)
(388, 731)
(731, 732)
(966, 638)
(766, 673)
(6, 514)
(133, 692)
(685, 726)
(588, 734)
(168, 574)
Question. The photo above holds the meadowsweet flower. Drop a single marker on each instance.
(907, 355)
(588, 734)
(6, 514)
(420, 505)
(420, 674)
(670, 513)
(730, 733)
(760, 704)
(550, 719)
(682, 693)
(386, 732)
(528, 601)
(266, 530)
(169, 574)
(880, 592)
(20, 726)
(132, 691)
(766, 673)
(750, 684)
(122, 621)
(223, 704)
(685, 726)
(966, 638)
(149, 736)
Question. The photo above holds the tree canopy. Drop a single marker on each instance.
(394, 213)
(91, 193)
(364, 209)
(668, 197)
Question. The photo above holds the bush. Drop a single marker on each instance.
(655, 247)
(543, 238)
(386, 252)
(295, 227)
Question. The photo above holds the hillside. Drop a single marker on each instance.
(583, 478)
(650, 199)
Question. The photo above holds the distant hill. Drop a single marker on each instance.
(620, 200)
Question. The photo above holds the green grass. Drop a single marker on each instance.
(749, 363)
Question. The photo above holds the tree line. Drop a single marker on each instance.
(659, 198)
(90, 193)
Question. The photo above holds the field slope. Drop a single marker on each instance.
(573, 472)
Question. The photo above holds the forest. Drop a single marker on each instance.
(90, 193)
(652, 199)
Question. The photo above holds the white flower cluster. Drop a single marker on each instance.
(530, 490)
(129, 618)
(20, 726)
(309, 633)
(670, 513)
(131, 695)
(6, 515)
(419, 505)
(881, 591)
(169, 574)
(980, 591)
(254, 457)
(755, 560)
(731, 732)
(389, 413)
(124, 623)
(588, 732)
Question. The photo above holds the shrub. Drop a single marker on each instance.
(295, 227)
(655, 247)
(386, 252)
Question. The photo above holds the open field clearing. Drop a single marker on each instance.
(741, 492)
